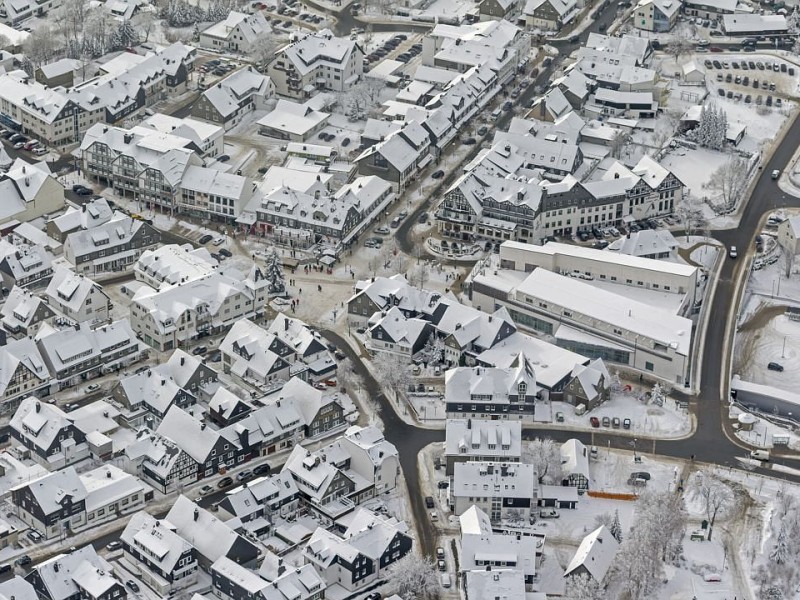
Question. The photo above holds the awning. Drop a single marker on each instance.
(247, 219)
(628, 219)
(327, 260)
(425, 162)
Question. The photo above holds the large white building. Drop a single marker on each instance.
(504, 491)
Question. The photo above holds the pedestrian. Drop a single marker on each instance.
(299, 291)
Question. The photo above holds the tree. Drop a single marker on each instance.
(679, 46)
(433, 352)
(273, 273)
(546, 460)
(145, 20)
(715, 495)
(772, 593)
(616, 527)
(730, 180)
(691, 215)
(391, 371)
(712, 128)
(415, 578)
(39, 47)
(621, 139)
(263, 49)
(780, 553)
(4, 42)
(582, 587)
(420, 274)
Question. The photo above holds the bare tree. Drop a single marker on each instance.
(420, 274)
(263, 49)
(730, 180)
(39, 47)
(716, 496)
(582, 587)
(144, 21)
(691, 215)
(391, 371)
(679, 46)
(5, 43)
(621, 139)
(415, 578)
(546, 460)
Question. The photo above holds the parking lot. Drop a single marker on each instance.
(756, 80)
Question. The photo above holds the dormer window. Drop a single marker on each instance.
(522, 389)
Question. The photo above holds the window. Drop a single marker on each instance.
(649, 366)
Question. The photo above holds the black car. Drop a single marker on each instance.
(199, 350)
(223, 158)
(429, 503)
(773, 366)
(262, 469)
(438, 174)
(482, 130)
(205, 239)
(443, 485)
(470, 141)
(225, 482)
(225, 252)
(23, 560)
(215, 356)
(345, 142)
(132, 585)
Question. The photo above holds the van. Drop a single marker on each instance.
(776, 173)
(496, 114)
(446, 581)
(760, 455)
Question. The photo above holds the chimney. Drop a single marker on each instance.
(83, 208)
(183, 360)
(286, 323)
(469, 423)
(38, 406)
(55, 567)
(108, 474)
(202, 426)
(196, 513)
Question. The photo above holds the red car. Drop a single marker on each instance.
(594, 421)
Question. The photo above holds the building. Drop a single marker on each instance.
(382, 293)
(80, 573)
(77, 298)
(362, 554)
(110, 248)
(752, 24)
(398, 158)
(149, 395)
(709, 9)
(490, 553)
(211, 538)
(789, 236)
(504, 491)
(253, 356)
(168, 318)
(317, 61)
(575, 465)
(322, 412)
(49, 433)
(60, 73)
(172, 264)
(548, 15)
(26, 266)
(647, 243)
(594, 555)
(209, 139)
(497, 9)
(497, 583)
(237, 33)
(90, 215)
(255, 504)
(295, 122)
(212, 194)
(227, 102)
(590, 385)
(162, 559)
(79, 353)
(22, 313)
(396, 334)
(484, 441)
(491, 393)
(29, 191)
(64, 502)
(658, 16)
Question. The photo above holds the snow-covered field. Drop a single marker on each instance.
(776, 340)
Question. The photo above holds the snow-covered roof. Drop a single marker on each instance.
(498, 550)
(476, 437)
(93, 213)
(68, 290)
(644, 243)
(172, 264)
(108, 485)
(497, 583)
(666, 7)
(229, 94)
(595, 553)
(248, 26)
(155, 538)
(574, 458)
(320, 48)
(110, 237)
(39, 422)
(494, 479)
(19, 310)
(747, 23)
(494, 384)
(189, 433)
(78, 573)
(475, 521)
(591, 376)
(52, 489)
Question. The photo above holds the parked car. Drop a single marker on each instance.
(263, 469)
(626, 423)
(429, 503)
(225, 482)
(549, 513)
(205, 239)
(615, 423)
(594, 421)
(733, 253)
(443, 485)
(440, 553)
(199, 350)
(482, 130)
(112, 546)
(223, 158)
(383, 230)
(219, 241)
(438, 174)
(244, 475)
(470, 141)
(34, 535)
(132, 585)
(606, 422)
(23, 560)
(773, 366)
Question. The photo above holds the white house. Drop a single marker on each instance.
(77, 297)
(237, 33)
(594, 555)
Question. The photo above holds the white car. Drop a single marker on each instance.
(733, 253)
(219, 241)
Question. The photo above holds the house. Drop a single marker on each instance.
(49, 433)
(79, 574)
(29, 191)
(211, 538)
(484, 441)
(261, 499)
(149, 395)
(23, 373)
(548, 15)
(90, 215)
(226, 408)
(208, 139)
(65, 501)
(491, 393)
(497, 583)
(30, 234)
(575, 465)
(17, 588)
(23, 312)
(504, 491)
(308, 346)
(77, 298)
(255, 357)
(111, 247)
(658, 16)
(647, 243)
(237, 33)
(76, 354)
(497, 9)
(228, 101)
(594, 555)
(175, 315)
(590, 385)
(213, 194)
(208, 450)
(398, 158)
(753, 24)
(231, 581)
(294, 121)
(382, 293)
(173, 264)
(362, 554)
(26, 266)
(162, 559)
(491, 552)
(559, 496)
(321, 411)
(396, 334)
(267, 429)
(641, 105)
(316, 61)
(59, 73)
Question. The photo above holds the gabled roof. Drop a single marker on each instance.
(67, 575)
(156, 539)
(39, 422)
(590, 377)
(190, 434)
(52, 489)
(595, 553)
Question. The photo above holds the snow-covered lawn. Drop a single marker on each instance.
(777, 340)
(763, 431)
(694, 167)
